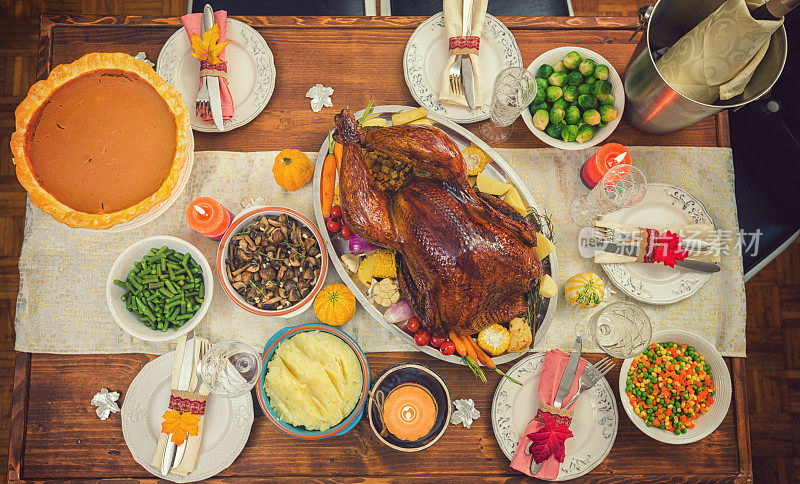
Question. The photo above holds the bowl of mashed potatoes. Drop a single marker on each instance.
(314, 381)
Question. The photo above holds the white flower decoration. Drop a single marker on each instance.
(106, 403)
(465, 413)
(320, 97)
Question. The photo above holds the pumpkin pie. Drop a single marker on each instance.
(100, 141)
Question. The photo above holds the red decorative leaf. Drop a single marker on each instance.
(549, 440)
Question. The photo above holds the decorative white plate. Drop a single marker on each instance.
(427, 53)
(594, 425)
(618, 91)
(251, 71)
(162, 207)
(226, 426)
(668, 206)
(498, 169)
(705, 423)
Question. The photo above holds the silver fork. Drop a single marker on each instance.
(456, 86)
(202, 347)
(591, 376)
(202, 103)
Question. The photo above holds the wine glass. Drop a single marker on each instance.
(621, 329)
(622, 186)
(514, 89)
(230, 368)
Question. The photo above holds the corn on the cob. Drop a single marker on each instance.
(384, 264)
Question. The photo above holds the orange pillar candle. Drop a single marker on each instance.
(208, 217)
(409, 412)
(597, 166)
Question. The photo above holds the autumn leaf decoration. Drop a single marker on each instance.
(207, 48)
(549, 440)
(179, 424)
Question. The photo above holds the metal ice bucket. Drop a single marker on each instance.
(652, 105)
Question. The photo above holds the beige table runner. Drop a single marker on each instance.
(62, 309)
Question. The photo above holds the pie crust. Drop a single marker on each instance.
(27, 121)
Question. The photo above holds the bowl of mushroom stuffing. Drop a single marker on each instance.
(271, 262)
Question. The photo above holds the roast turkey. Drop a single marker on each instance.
(466, 259)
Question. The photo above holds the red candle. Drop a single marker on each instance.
(208, 217)
(597, 166)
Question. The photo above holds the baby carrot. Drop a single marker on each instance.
(461, 349)
(328, 180)
(338, 152)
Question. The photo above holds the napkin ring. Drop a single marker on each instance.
(560, 415)
(464, 45)
(184, 401)
(216, 70)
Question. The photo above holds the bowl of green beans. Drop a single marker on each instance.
(159, 288)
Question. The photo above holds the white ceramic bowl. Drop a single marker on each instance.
(705, 423)
(241, 220)
(124, 263)
(552, 57)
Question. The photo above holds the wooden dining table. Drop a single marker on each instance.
(55, 434)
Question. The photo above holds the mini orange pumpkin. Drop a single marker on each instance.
(292, 169)
(335, 304)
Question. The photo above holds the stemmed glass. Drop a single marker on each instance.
(514, 89)
(622, 186)
(230, 368)
(621, 329)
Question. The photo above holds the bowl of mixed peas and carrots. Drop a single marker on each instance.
(678, 390)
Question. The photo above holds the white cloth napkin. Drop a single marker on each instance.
(452, 24)
(716, 59)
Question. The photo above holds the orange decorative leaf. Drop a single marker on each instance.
(207, 47)
(179, 425)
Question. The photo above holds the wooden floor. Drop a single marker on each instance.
(773, 296)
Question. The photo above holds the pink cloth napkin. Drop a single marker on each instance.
(554, 363)
(191, 23)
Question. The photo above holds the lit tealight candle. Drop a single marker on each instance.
(208, 217)
(610, 154)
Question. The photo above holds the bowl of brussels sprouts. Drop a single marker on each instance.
(579, 98)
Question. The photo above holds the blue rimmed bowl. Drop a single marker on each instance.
(345, 425)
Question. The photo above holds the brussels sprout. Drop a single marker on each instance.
(570, 93)
(586, 67)
(545, 70)
(607, 113)
(601, 72)
(553, 93)
(540, 94)
(572, 115)
(542, 105)
(590, 80)
(608, 100)
(557, 79)
(556, 114)
(561, 103)
(601, 90)
(554, 129)
(559, 67)
(585, 133)
(584, 88)
(541, 119)
(591, 117)
(572, 60)
(569, 133)
(587, 101)
(574, 78)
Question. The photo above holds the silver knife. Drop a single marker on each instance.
(633, 251)
(212, 81)
(184, 378)
(467, 74)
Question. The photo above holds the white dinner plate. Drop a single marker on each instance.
(251, 73)
(426, 56)
(226, 427)
(663, 206)
(594, 425)
(723, 388)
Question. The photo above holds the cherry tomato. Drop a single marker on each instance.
(413, 325)
(336, 211)
(333, 225)
(346, 231)
(436, 341)
(447, 348)
(422, 337)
